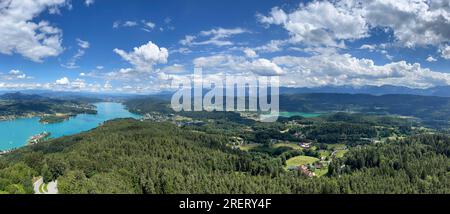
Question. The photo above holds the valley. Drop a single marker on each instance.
(223, 152)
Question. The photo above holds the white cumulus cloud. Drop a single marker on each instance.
(431, 59)
(319, 23)
(344, 69)
(265, 67)
(21, 33)
(445, 51)
(63, 81)
(250, 53)
(237, 65)
(143, 58)
(412, 22)
(14, 75)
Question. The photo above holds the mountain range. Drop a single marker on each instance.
(440, 91)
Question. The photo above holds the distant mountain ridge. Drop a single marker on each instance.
(90, 97)
(432, 110)
(17, 104)
(18, 96)
(440, 91)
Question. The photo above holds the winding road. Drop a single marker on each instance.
(51, 187)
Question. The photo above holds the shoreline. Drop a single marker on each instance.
(13, 138)
(42, 115)
(16, 117)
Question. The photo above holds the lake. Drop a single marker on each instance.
(302, 114)
(15, 133)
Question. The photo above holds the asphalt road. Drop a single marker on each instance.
(51, 187)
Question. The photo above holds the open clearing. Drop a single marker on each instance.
(321, 172)
(300, 160)
(341, 153)
(290, 145)
(247, 147)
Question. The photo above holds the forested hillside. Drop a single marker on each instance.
(128, 156)
(434, 111)
(14, 105)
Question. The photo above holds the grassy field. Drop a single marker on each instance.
(324, 153)
(300, 160)
(336, 146)
(290, 145)
(247, 147)
(341, 153)
(321, 172)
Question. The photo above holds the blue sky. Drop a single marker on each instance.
(140, 46)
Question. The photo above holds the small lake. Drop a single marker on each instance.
(302, 114)
(15, 133)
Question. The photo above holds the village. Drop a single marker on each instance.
(35, 139)
(180, 121)
(312, 161)
(4, 152)
(10, 117)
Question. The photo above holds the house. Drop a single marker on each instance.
(191, 123)
(304, 169)
(305, 145)
(318, 165)
(298, 135)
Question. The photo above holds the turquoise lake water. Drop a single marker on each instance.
(302, 114)
(15, 133)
